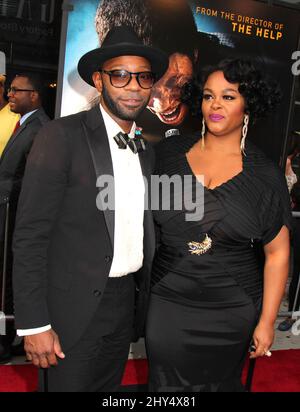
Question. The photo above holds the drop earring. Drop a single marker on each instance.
(244, 133)
(203, 134)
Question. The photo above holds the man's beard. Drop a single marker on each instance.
(119, 111)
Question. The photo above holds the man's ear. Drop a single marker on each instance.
(97, 79)
(35, 96)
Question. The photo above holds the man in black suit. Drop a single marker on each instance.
(82, 271)
(25, 98)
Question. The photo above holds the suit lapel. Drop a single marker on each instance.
(16, 134)
(145, 164)
(95, 133)
(149, 232)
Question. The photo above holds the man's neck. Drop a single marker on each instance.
(125, 125)
(29, 111)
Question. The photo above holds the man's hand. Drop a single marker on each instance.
(43, 348)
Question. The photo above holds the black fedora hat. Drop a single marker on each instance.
(121, 41)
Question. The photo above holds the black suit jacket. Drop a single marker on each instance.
(63, 244)
(14, 156)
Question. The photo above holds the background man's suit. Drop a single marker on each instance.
(13, 159)
(65, 285)
(12, 166)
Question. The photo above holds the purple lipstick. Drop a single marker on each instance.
(216, 117)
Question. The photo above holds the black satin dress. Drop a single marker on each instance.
(204, 308)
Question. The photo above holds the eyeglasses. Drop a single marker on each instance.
(121, 78)
(14, 90)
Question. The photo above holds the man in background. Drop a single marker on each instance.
(25, 102)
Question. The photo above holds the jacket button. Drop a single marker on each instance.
(97, 293)
(108, 259)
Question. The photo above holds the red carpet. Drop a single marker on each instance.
(280, 373)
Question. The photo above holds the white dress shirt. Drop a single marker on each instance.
(129, 209)
(25, 116)
(129, 203)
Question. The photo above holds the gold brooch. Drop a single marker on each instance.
(199, 248)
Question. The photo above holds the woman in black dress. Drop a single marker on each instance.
(211, 295)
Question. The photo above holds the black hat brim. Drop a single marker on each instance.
(92, 61)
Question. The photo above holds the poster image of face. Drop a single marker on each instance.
(151, 20)
(194, 34)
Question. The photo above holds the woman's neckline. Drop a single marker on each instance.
(221, 185)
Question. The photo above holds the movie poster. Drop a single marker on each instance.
(194, 34)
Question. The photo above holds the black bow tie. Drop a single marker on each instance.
(136, 145)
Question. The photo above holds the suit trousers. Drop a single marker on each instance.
(97, 361)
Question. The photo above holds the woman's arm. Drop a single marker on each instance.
(275, 277)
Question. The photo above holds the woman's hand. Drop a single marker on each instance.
(263, 338)
(275, 276)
